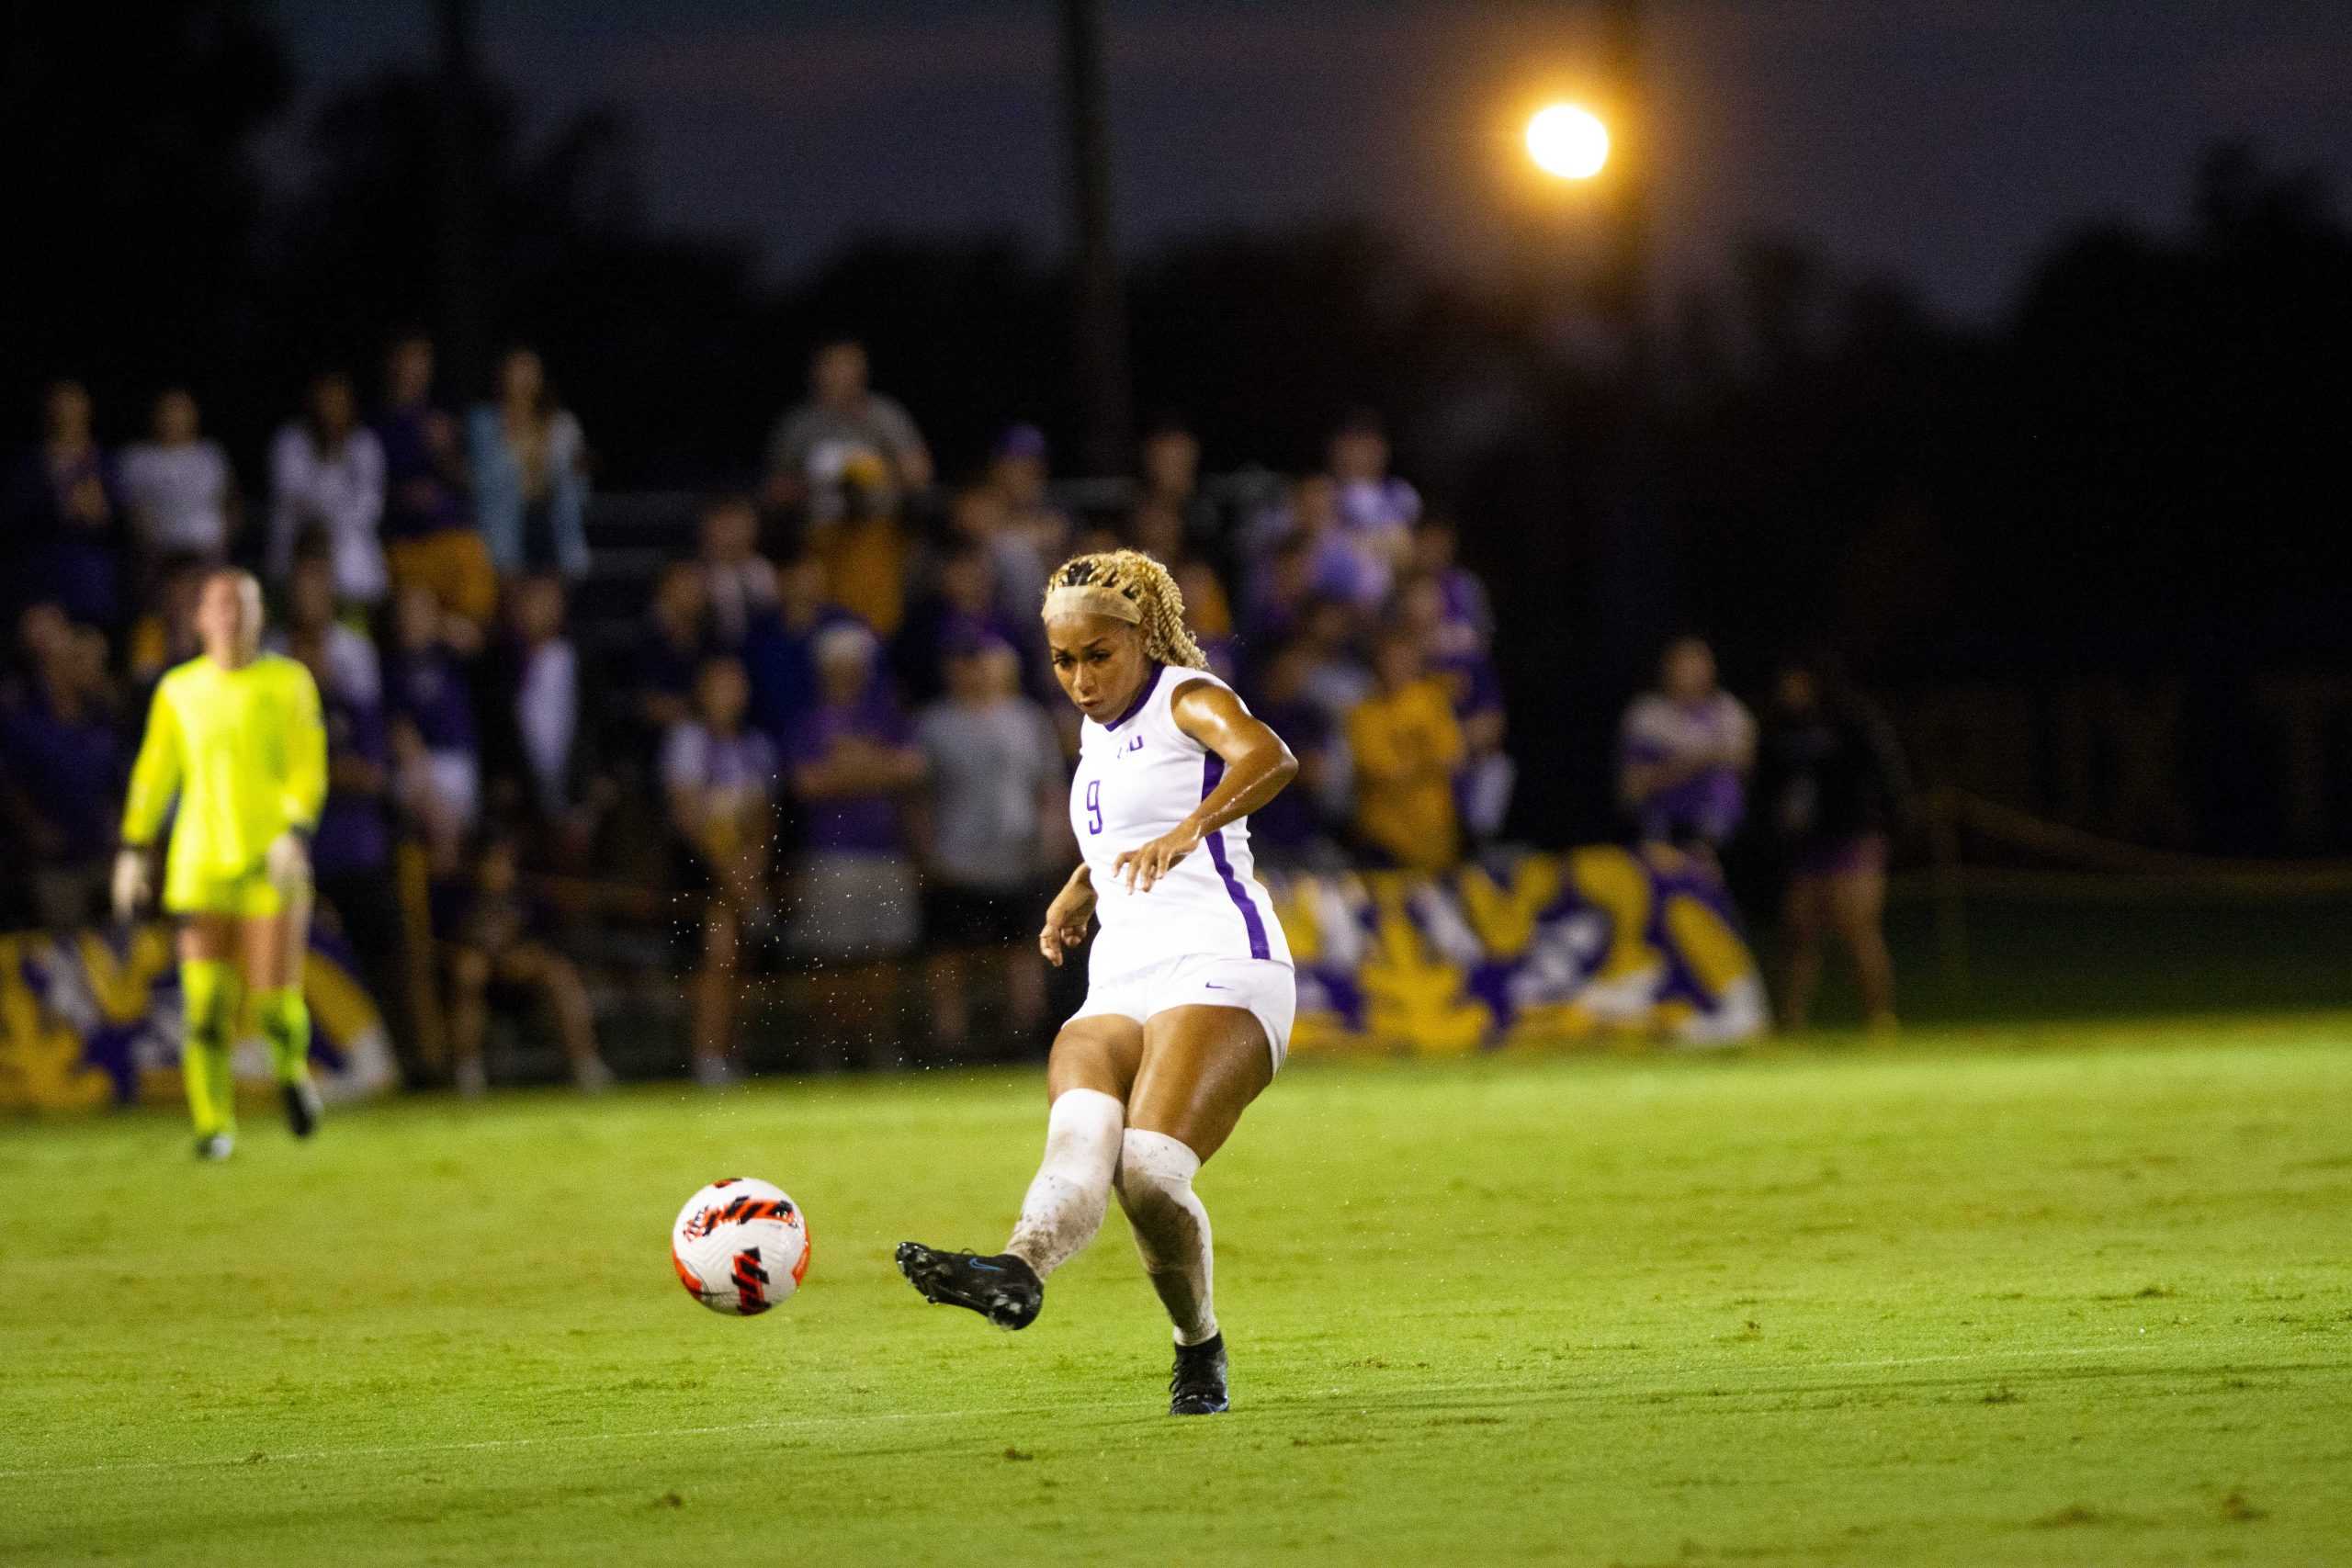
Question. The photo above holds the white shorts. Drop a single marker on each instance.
(1268, 991)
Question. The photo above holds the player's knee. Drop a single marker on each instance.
(1155, 1175)
(281, 1011)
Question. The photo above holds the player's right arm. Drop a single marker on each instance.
(155, 780)
(1067, 917)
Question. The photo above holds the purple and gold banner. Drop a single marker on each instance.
(89, 1019)
(1598, 942)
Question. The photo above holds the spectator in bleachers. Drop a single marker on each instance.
(429, 529)
(342, 658)
(63, 514)
(1337, 679)
(530, 464)
(1288, 829)
(739, 583)
(1469, 618)
(351, 850)
(1404, 747)
(1157, 528)
(1211, 615)
(1278, 593)
(1684, 753)
(671, 648)
(981, 515)
(428, 706)
(178, 487)
(1833, 788)
(1170, 478)
(1456, 656)
(866, 547)
(1342, 563)
(1022, 476)
(780, 654)
(854, 889)
(1374, 505)
(993, 772)
(502, 954)
(539, 744)
(166, 635)
(960, 609)
(326, 472)
(61, 765)
(718, 778)
(841, 421)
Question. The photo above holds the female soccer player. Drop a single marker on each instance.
(235, 733)
(1190, 991)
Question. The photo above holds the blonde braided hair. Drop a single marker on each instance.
(1153, 591)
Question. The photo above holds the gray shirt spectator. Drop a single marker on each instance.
(994, 763)
(182, 493)
(814, 442)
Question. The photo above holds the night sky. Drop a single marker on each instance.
(1941, 139)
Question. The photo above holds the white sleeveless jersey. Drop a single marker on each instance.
(1136, 779)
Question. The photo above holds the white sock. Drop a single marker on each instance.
(1064, 1205)
(1172, 1229)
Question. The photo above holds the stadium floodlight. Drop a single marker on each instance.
(1567, 142)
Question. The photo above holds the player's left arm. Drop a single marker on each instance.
(1257, 765)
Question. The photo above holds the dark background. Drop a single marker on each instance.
(2005, 353)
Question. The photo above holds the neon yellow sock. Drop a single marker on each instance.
(286, 1023)
(209, 996)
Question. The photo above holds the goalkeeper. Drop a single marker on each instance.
(234, 735)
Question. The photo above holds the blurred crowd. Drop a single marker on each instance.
(829, 743)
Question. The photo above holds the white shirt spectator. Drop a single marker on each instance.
(739, 591)
(1387, 505)
(726, 774)
(342, 493)
(547, 714)
(353, 671)
(179, 496)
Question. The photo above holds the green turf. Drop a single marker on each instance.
(2079, 1297)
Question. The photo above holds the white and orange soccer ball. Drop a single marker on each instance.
(741, 1246)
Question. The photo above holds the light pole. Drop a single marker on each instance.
(1100, 329)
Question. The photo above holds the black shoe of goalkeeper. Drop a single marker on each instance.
(303, 1108)
(1197, 1388)
(1002, 1289)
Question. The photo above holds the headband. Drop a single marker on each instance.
(1091, 599)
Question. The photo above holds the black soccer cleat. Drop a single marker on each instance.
(303, 1108)
(1002, 1289)
(1197, 1386)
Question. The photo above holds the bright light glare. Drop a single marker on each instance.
(1568, 141)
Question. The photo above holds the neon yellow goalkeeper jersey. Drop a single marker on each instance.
(245, 752)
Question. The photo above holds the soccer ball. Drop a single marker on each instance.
(740, 1245)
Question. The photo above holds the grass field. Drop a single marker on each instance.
(2079, 1296)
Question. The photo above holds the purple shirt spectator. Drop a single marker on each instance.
(354, 834)
(427, 687)
(67, 767)
(1471, 680)
(62, 510)
(780, 658)
(729, 769)
(858, 824)
(1688, 738)
(1283, 829)
(420, 496)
